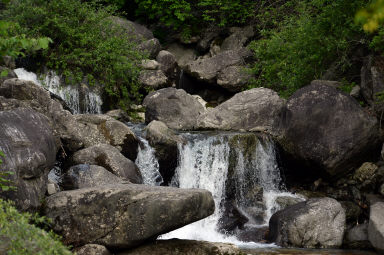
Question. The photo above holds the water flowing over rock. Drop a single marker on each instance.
(216, 162)
(316, 223)
(148, 164)
(376, 225)
(258, 109)
(30, 148)
(328, 129)
(174, 107)
(185, 247)
(80, 99)
(86, 176)
(164, 141)
(111, 159)
(124, 216)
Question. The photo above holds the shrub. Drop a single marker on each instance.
(302, 47)
(85, 43)
(19, 237)
(190, 16)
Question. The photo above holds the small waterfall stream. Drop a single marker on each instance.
(90, 102)
(240, 162)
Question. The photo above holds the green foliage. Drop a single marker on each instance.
(190, 15)
(305, 43)
(4, 182)
(19, 237)
(372, 16)
(85, 43)
(13, 44)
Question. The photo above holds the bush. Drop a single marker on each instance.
(85, 43)
(305, 43)
(19, 237)
(190, 16)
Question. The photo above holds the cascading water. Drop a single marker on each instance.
(216, 162)
(70, 94)
(147, 163)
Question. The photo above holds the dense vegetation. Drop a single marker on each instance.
(297, 41)
(85, 43)
(19, 237)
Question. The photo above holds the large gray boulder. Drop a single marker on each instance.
(376, 225)
(182, 54)
(328, 129)
(207, 69)
(316, 223)
(233, 78)
(30, 148)
(165, 141)
(167, 62)
(239, 36)
(154, 79)
(111, 159)
(150, 47)
(186, 247)
(124, 216)
(86, 176)
(258, 109)
(75, 131)
(134, 31)
(176, 108)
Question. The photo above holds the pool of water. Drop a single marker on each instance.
(282, 251)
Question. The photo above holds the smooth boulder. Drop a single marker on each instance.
(111, 159)
(154, 79)
(258, 109)
(376, 225)
(30, 148)
(86, 176)
(92, 249)
(124, 216)
(175, 107)
(207, 69)
(233, 78)
(328, 130)
(316, 223)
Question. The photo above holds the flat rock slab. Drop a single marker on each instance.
(185, 247)
(124, 216)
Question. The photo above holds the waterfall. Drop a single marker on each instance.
(203, 163)
(245, 162)
(91, 102)
(147, 163)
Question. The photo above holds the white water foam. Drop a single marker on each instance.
(204, 163)
(147, 163)
(70, 94)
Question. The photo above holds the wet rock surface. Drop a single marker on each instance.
(30, 148)
(328, 130)
(111, 159)
(376, 225)
(257, 109)
(86, 176)
(124, 216)
(176, 108)
(316, 223)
